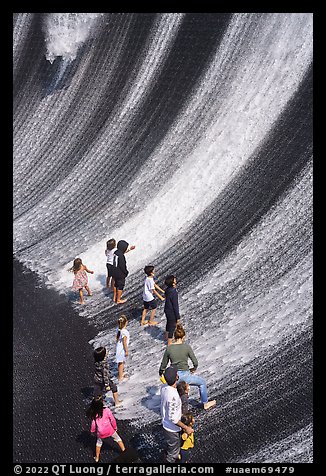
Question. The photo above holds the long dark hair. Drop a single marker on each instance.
(95, 409)
(76, 265)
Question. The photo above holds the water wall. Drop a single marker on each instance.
(189, 136)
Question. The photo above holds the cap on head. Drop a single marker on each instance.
(170, 375)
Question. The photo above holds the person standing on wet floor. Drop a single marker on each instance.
(119, 270)
(171, 415)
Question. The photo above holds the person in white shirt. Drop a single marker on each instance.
(149, 300)
(122, 344)
(111, 246)
(171, 415)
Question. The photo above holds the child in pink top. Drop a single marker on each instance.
(80, 271)
(103, 423)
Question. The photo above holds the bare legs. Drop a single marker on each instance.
(114, 289)
(121, 367)
(118, 299)
(115, 294)
(143, 315)
(99, 446)
(81, 296)
(151, 321)
(110, 283)
(117, 402)
(97, 453)
(122, 446)
(121, 372)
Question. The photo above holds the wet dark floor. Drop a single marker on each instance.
(52, 385)
(52, 376)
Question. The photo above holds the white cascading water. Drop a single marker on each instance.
(252, 76)
(66, 32)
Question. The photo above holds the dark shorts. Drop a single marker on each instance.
(150, 304)
(185, 455)
(170, 325)
(109, 268)
(99, 388)
(119, 283)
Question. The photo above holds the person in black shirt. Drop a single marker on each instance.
(171, 307)
(119, 269)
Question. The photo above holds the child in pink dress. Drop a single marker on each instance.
(81, 279)
(103, 424)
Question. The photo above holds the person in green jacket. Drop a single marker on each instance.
(178, 354)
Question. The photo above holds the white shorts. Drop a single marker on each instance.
(115, 436)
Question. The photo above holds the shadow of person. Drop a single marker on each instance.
(130, 455)
(102, 279)
(156, 332)
(87, 395)
(86, 439)
(109, 448)
(152, 400)
(87, 392)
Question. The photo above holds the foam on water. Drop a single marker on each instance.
(239, 126)
(66, 32)
(255, 320)
(157, 48)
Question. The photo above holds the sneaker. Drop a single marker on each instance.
(209, 404)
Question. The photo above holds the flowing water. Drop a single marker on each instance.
(189, 136)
